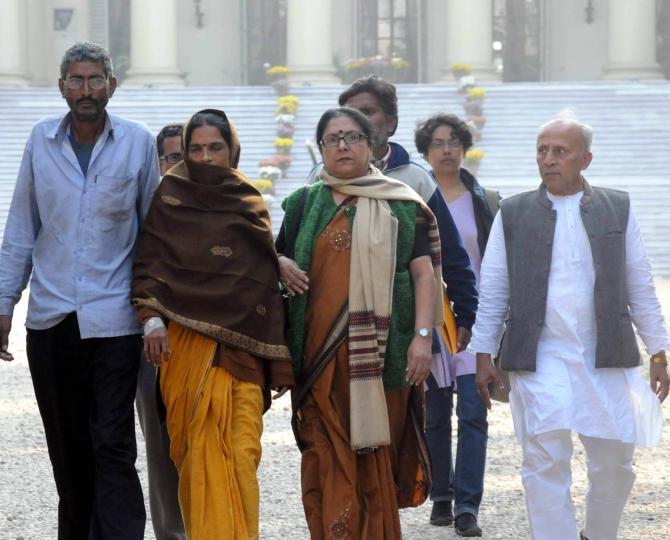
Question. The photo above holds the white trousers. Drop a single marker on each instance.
(547, 477)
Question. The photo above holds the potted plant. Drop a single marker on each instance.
(473, 158)
(459, 70)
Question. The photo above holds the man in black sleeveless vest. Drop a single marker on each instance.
(565, 266)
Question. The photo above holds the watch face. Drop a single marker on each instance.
(423, 332)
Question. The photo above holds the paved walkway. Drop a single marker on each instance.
(28, 495)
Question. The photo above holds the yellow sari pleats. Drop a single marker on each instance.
(215, 425)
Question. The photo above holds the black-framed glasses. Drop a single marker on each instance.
(173, 158)
(333, 140)
(77, 83)
(452, 144)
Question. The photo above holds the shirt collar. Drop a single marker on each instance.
(62, 129)
(383, 163)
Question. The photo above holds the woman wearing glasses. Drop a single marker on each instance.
(443, 140)
(364, 299)
(206, 266)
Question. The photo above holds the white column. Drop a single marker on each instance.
(153, 44)
(10, 45)
(309, 48)
(469, 32)
(632, 40)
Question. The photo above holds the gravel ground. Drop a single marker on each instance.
(28, 495)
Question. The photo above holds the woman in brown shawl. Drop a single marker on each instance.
(206, 264)
(363, 273)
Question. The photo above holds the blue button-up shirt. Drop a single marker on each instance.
(77, 233)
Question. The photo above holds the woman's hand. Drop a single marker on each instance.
(156, 345)
(294, 279)
(419, 360)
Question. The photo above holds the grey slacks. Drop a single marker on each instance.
(163, 477)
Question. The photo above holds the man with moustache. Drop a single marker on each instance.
(565, 266)
(85, 183)
(161, 471)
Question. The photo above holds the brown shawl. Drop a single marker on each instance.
(206, 259)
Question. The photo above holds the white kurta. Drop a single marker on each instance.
(567, 391)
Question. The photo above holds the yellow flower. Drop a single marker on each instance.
(475, 155)
(276, 70)
(283, 142)
(289, 100)
(287, 104)
(477, 92)
(263, 185)
(462, 69)
(399, 63)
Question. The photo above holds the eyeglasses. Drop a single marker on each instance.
(172, 158)
(77, 83)
(332, 140)
(439, 144)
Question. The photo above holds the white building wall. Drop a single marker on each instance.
(213, 55)
(47, 44)
(574, 49)
(344, 29)
(434, 35)
(210, 55)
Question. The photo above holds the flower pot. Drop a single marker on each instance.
(281, 86)
(473, 107)
(478, 120)
(471, 165)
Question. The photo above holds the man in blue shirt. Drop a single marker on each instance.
(85, 183)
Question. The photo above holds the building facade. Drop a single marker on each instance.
(228, 42)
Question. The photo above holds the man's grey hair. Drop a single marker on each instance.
(87, 51)
(567, 117)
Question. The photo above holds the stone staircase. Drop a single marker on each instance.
(631, 144)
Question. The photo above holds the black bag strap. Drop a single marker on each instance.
(291, 235)
(492, 200)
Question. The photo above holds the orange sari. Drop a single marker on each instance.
(215, 425)
(345, 494)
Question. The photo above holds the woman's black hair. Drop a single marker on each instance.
(356, 116)
(424, 131)
(208, 117)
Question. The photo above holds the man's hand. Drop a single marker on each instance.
(294, 279)
(5, 328)
(464, 336)
(658, 376)
(419, 359)
(156, 346)
(486, 374)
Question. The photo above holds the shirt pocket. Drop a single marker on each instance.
(115, 197)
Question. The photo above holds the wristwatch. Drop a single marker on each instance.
(424, 332)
